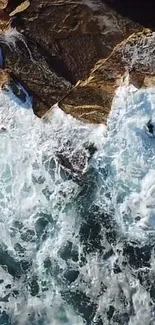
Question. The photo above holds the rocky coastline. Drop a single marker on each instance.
(74, 53)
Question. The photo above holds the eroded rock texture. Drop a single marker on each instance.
(66, 51)
(91, 99)
(64, 41)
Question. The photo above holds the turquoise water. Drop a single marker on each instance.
(77, 247)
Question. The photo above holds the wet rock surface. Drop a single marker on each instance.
(75, 163)
(91, 99)
(4, 78)
(67, 52)
(64, 41)
(9, 9)
(33, 69)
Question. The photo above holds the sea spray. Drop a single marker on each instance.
(75, 253)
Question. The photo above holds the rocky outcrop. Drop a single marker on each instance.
(20, 8)
(62, 41)
(33, 68)
(77, 32)
(3, 4)
(74, 162)
(91, 99)
(5, 22)
(6, 13)
(5, 79)
(67, 52)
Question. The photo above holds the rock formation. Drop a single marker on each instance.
(5, 78)
(67, 52)
(23, 6)
(6, 14)
(62, 41)
(91, 99)
(3, 4)
(5, 22)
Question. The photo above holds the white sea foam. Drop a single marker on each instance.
(41, 212)
(131, 150)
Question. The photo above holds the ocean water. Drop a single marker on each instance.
(77, 239)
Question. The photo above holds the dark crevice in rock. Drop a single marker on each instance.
(80, 53)
(33, 69)
(12, 4)
(55, 63)
(15, 82)
(35, 98)
(141, 12)
(16, 89)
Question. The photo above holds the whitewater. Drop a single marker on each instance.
(78, 249)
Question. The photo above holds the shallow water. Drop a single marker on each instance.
(77, 250)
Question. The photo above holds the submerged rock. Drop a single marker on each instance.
(150, 127)
(75, 161)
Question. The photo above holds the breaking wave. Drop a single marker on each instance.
(77, 238)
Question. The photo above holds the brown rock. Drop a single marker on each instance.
(5, 22)
(33, 68)
(4, 78)
(3, 4)
(78, 33)
(91, 100)
(23, 6)
(65, 39)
